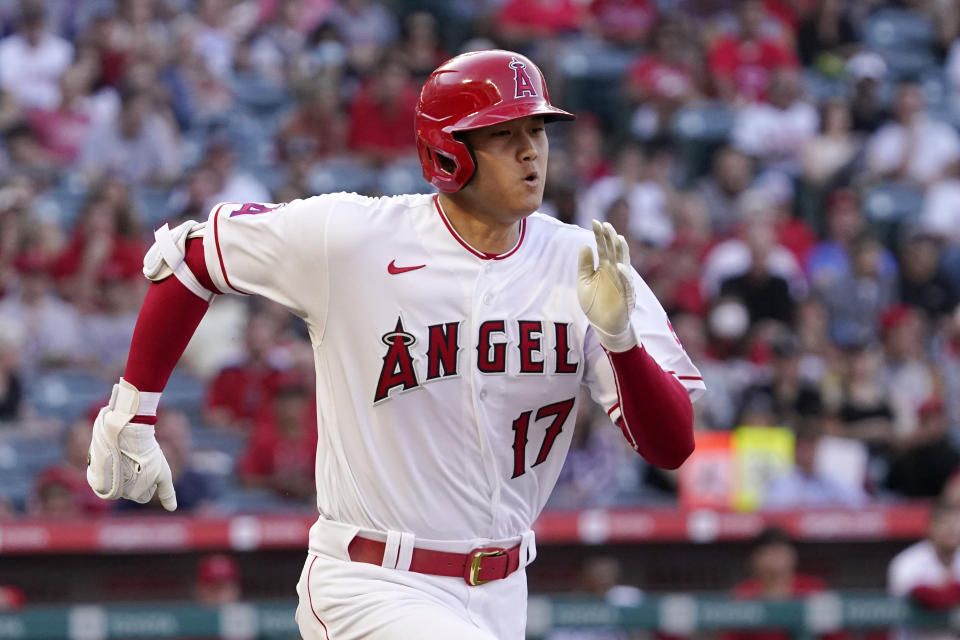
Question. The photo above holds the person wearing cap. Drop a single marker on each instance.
(218, 580)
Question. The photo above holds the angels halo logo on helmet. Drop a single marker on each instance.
(471, 91)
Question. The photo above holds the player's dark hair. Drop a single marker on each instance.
(771, 536)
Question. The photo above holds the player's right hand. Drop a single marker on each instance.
(125, 460)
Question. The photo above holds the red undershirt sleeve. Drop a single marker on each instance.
(168, 319)
(936, 598)
(656, 412)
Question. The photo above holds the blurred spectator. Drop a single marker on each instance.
(867, 71)
(106, 330)
(941, 207)
(624, 22)
(594, 470)
(774, 576)
(212, 39)
(775, 131)
(741, 65)
(826, 37)
(141, 146)
(826, 157)
(756, 235)
(367, 27)
(804, 487)
(218, 580)
(237, 185)
(62, 489)
(946, 353)
(923, 460)
(908, 375)
(32, 59)
(48, 324)
(381, 115)
(62, 131)
(421, 45)
(928, 572)
(25, 156)
(316, 128)
(765, 294)
(276, 45)
(855, 295)
(865, 411)
(174, 436)
(588, 155)
(732, 173)
(648, 217)
(523, 23)
(106, 243)
(600, 578)
(922, 284)
(666, 78)
(11, 597)
(238, 392)
(831, 260)
(913, 148)
(791, 395)
(11, 381)
(281, 454)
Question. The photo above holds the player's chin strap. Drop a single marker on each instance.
(167, 257)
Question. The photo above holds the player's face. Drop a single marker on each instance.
(511, 167)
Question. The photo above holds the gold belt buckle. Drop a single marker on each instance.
(477, 556)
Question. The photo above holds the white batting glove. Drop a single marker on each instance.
(125, 460)
(606, 292)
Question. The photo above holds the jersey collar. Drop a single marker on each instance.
(483, 255)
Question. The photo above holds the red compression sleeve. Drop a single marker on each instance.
(656, 414)
(936, 598)
(168, 318)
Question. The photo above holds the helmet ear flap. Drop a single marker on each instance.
(449, 168)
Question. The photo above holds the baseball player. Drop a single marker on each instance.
(451, 333)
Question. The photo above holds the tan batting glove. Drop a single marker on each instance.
(606, 292)
(125, 460)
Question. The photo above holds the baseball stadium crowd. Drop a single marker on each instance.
(787, 173)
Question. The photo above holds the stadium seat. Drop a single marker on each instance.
(889, 206)
(697, 131)
(890, 29)
(66, 394)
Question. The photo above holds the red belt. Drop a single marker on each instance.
(481, 565)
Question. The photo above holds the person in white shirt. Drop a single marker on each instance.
(32, 60)
(928, 572)
(913, 148)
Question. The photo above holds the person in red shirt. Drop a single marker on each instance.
(381, 115)
(106, 243)
(239, 392)
(773, 569)
(281, 453)
(521, 22)
(624, 22)
(61, 489)
(741, 65)
(668, 77)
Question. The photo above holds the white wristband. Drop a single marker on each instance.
(623, 341)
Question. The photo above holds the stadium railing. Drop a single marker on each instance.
(675, 614)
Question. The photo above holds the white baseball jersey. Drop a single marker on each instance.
(447, 379)
(919, 565)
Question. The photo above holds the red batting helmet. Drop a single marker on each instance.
(470, 91)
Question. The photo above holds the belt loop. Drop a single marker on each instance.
(391, 550)
(405, 551)
(528, 548)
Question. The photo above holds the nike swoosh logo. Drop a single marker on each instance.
(393, 269)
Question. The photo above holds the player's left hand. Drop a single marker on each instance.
(606, 292)
(125, 460)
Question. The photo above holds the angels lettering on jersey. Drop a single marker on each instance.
(495, 354)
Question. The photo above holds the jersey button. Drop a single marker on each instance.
(487, 299)
(483, 394)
